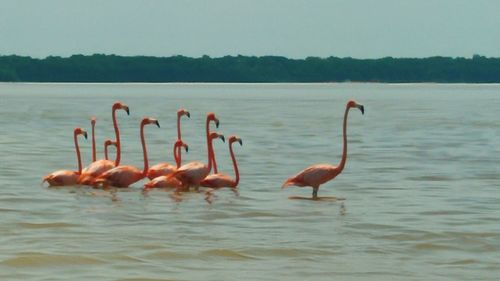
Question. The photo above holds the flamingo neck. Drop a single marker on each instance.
(144, 151)
(118, 144)
(209, 152)
(106, 152)
(177, 154)
(178, 126)
(214, 162)
(93, 143)
(344, 148)
(78, 156)
(235, 165)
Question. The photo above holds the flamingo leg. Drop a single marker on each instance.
(315, 193)
(209, 194)
(235, 191)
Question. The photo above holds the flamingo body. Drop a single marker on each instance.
(218, 181)
(161, 169)
(62, 178)
(94, 170)
(313, 176)
(169, 181)
(121, 176)
(192, 173)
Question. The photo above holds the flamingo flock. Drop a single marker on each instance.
(104, 173)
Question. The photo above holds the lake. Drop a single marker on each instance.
(422, 184)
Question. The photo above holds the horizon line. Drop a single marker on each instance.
(250, 56)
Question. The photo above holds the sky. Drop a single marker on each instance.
(290, 28)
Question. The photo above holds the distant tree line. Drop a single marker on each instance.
(112, 68)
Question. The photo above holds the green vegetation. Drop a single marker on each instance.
(112, 68)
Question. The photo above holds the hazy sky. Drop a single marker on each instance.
(291, 28)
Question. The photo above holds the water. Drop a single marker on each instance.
(421, 184)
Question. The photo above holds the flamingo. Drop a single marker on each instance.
(169, 180)
(107, 143)
(98, 167)
(191, 174)
(123, 176)
(318, 174)
(164, 168)
(67, 177)
(216, 180)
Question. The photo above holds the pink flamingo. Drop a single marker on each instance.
(98, 167)
(216, 180)
(66, 177)
(107, 143)
(164, 168)
(318, 174)
(123, 176)
(191, 174)
(169, 180)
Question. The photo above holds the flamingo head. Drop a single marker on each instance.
(214, 135)
(182, 112)
(149, 120)
(109, 142)
(120, 105)
(92, 120)
(234, 138)
(80, 131)
(352, 103)
(181, 143)
(211, 117)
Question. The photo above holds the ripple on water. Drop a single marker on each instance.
(169, 255)
(431, 178)
(146, 279)
(224, 254)
(42, 260)
(29, 225)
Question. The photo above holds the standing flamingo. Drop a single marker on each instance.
(123, 176)
(318, 174)
(191, 174)
(164, 168)
(169, 180)
(107, 143)
(66, 177)
(98, 167)
(216, 180)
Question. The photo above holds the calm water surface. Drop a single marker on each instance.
(421, 184)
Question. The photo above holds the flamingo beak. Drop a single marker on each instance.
(186, 147)
(127, 110)
(216, 123)
(361, 107)
(84, 134)
(222, 138)
(240, 141)
(187, 114)
(157, 123)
